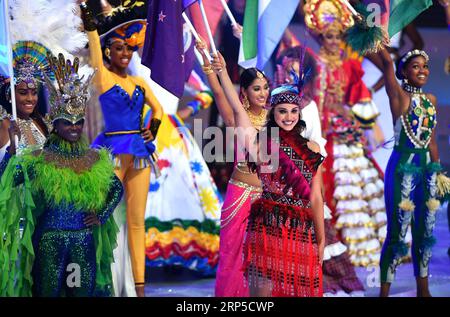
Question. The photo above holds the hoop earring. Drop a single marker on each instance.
(107, 52)
(245, 102)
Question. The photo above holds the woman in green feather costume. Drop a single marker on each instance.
(56, 203)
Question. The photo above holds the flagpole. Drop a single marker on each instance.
(10, 59)
(349, 6)
(208, 29)
(227, 10)
(195, 34)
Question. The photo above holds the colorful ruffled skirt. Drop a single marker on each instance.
(183, 204)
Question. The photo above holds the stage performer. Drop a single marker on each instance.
(352, 180)
(56, 204)
(244, 186)
(122, 98)
(413, 182)
(285, 239)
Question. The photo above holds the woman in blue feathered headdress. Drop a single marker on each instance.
(283, 249)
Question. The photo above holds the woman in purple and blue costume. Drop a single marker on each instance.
(413, 170)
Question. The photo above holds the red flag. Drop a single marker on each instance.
(214, 11)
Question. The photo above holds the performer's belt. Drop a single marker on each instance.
(400, 148)
(123, 132)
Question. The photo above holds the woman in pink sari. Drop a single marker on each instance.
(244, 186)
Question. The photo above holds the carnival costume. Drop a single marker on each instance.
(280, 250)
(352, 180)
(122, 101)
(56, 34)
(29, 64)
(413, 185)
(230, 279)
(46, 195)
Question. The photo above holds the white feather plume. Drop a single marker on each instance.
(53, 23)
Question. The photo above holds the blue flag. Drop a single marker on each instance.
(165, 50)
(4, 42)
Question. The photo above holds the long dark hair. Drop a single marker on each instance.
(35, 115)
(247, 77)
(271, 123)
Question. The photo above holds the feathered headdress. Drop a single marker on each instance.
(52, 23)
(69, 96)
(39, 27)
(30, 63)
(292, 93)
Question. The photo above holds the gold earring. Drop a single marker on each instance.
(245, 102)
(107, 52)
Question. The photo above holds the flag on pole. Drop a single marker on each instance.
(403, 12)
(264, 24)
(214, 11)
(396, 14)
(165, 50)
(5, 46)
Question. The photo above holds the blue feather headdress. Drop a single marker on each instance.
(292, 93)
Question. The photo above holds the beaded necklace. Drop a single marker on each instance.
(411, 89)
(419, 121)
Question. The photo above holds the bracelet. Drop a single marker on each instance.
(207, 69)
(195, 106)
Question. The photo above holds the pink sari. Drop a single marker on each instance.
(233, 224)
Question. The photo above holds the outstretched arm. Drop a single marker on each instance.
(393, 89)
(225, 110)
(241, 118)
(95, 48)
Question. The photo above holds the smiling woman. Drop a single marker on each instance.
(413, 171)
(30, 65)
(122, 99)
(61, 196)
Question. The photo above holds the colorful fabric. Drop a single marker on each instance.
(234, 219)
(338, 271)
(411, 192)
(183, 205)
(280, 250)
(53, 229)
(264, 24)
(353, 182)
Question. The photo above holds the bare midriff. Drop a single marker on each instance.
(244, 175)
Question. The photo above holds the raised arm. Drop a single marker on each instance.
(95, 48)
(393, 89)
(240, 115)
(225, 110)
